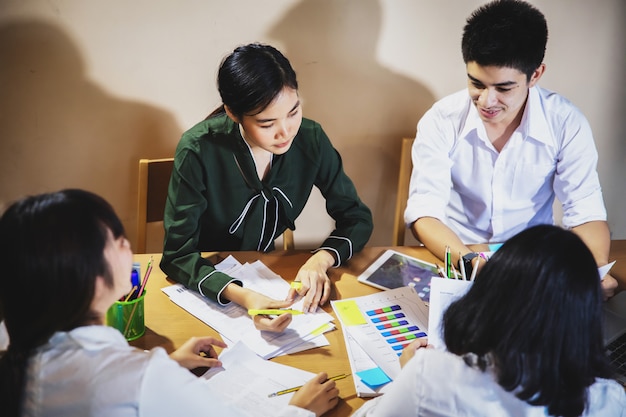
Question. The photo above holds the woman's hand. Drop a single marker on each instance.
(315, 283)
(318, 395)
(250, 299)
(609, 286)
(275, 324)
(198, 352)
(409, 351)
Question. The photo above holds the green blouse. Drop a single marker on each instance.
(216, 200)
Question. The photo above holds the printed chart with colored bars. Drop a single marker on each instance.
(376, 328)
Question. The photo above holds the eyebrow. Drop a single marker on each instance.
(502, 84)
(295, 106)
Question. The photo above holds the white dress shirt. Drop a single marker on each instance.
(92, 371)
(435, 383)
(486, 196)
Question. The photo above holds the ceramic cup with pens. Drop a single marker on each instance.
(128, 317)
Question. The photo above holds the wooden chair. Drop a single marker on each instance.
(154, 178)
(404, 177)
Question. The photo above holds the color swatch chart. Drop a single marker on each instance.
(384, 323)
(393, 326)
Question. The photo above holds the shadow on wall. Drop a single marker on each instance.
(365, 108)
(60, 130)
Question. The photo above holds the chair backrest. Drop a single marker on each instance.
(404, 177)
(154, 178)
(288, 242)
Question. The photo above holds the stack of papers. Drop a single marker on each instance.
(234, 324)
(245, 381)
(376, 328)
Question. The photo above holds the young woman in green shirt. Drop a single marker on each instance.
(243, 175)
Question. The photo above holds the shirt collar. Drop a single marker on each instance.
(534, 122)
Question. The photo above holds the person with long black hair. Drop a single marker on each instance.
(65, 260)
(525, 340)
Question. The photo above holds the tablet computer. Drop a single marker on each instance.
(393, 269)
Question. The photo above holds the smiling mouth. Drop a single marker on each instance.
(489, 112)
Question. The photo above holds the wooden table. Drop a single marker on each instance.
(169, 326)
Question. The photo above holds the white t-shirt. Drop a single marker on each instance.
(92, 371)
(488, 196)
(436, 383)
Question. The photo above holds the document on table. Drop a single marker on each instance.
(234, 324)
(364, 369)
(443, 292)
(381, 325)
(245, 381)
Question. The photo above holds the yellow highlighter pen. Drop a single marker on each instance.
(272, 312)
(296, 285)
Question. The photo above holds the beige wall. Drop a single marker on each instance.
(88, 87)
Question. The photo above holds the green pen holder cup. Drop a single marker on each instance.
(128, 317)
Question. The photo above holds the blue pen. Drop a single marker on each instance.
(134, 275)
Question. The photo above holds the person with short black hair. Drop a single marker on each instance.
(489, 161)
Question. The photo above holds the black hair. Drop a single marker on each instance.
(535, 310)
(51, 251)
(506, 33)
(251, 77)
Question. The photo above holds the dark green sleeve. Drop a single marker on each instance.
(184, 207)
(353, 219)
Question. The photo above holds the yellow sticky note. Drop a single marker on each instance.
(349, 312)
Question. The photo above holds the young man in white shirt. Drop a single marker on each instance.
(490, 160)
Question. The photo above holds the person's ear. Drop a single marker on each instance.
(536, 75)
(231, 115)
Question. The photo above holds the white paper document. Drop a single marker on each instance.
(234, 324)
(245, 381)
(381, 325)
(443, 292)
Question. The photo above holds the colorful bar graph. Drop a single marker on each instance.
(388, 317)
(399, 347)
(383, 310)
(391, 324)
(404, 338)
(400, 331)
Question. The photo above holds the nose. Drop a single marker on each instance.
(282, 131)
(488, 97)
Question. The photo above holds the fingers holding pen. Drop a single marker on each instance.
(319, 395)
(275, 324)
